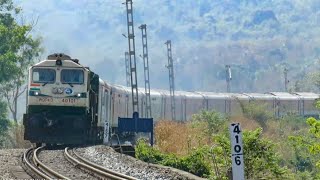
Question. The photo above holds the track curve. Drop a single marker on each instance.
(94, 168)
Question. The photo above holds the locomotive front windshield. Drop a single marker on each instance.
(43, 76)
(72, 76)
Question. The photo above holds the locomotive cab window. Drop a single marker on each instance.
(73, 76)
(43, 76)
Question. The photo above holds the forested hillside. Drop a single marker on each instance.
(257, 37)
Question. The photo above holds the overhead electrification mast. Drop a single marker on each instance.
(132, 57)
(228, 78)
(286, 81)
(171, 79)
(128, 126)
(126, 56)
(145, 57)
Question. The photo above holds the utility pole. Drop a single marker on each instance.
(171, 79)
(228, 78)
(145, 57)
(286, 81)
(132, 57)
(126, 56)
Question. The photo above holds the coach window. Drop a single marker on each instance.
(72, 76)
(43, 75)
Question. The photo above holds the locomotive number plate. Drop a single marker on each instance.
(69, 100)
(45, 99)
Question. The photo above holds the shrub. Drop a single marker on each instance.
(260, 157)
(147, 153)
(194, 163)
(212, 120)
(17, 136)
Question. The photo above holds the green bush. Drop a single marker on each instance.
(213, 120)
(292, 122)
(147, 153)
(260, 157)
(195, 163)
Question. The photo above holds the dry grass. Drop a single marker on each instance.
(16, 134)
(246, 124)
(178, 138)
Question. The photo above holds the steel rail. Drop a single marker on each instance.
(44, 167)
(96, 168)
(26, 156)
(103, 168)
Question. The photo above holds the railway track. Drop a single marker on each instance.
(36, 168)
(39, 170)
(90, 167)
(72, 163)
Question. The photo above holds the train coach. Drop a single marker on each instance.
(189, 103)
(68, 103)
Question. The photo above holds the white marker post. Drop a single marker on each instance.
(236, 151)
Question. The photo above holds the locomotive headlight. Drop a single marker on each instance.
(79, 95)
(36, 93)
(59, 62)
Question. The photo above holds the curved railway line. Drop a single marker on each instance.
(38, 169)
(102, 172)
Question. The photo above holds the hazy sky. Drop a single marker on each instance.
(92, 30)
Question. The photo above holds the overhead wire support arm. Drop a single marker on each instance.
(145, 57)
(171, 79)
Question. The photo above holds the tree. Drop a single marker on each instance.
(17, 52)
(4, 124)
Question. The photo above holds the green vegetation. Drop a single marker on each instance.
(284, 148)
(212, 121)
(259, 113)
(18, 50)
(260, 156)
(307, 150)
(4, 124)
(195, 162)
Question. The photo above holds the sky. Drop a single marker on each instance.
(92, 31)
